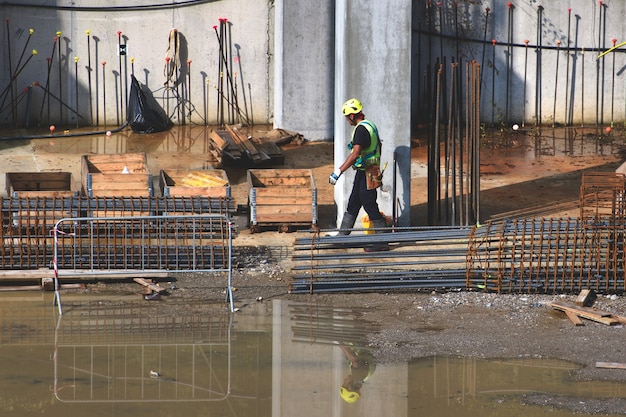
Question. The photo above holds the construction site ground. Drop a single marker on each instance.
(528, 173)
(536, 173)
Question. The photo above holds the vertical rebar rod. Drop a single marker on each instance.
(482, 62)
(10, 62)
(598, 63)
(189, 88)
(556, 81)
(613, 85)
(46, 98)
(493, 82)
(104, 95)
(89, 69)
(437, 147)
(476, 156)
(509, 59)
(60, 62)
(538, 78)
(567, 106)
(525, 81)
(167, 86)
(462, 154)
(582, 87)
(121, 86)
(76, 86)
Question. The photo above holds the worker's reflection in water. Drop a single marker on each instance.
(362, 365)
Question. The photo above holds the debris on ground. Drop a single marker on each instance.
(283, 137)
(582, 308)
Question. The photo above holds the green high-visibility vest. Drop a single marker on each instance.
(371, 154)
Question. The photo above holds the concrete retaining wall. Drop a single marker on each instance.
(91, 34)
(556, 79)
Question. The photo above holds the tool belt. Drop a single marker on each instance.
(373, 177)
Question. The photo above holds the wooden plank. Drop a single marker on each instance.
(118, 168)
(284, 210)
(284, 218)
(42, 194)
(262, 174)
(586, 312)
(125, 158)
(148, 284)
(611, 365)
(264, 195)
(218, 140)
(247, 145)
(121, 193)
(277, 201)
(38, 274)
(585, 298)
(573, 317)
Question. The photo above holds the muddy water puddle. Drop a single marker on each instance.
(119, 357)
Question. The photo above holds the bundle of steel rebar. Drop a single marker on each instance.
(527, 255)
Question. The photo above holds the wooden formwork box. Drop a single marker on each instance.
(116, 175)
(281, 197)
(194, 183)
(37, 186)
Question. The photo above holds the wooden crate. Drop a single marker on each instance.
(196, 183)
(281, 197)
(116, 175)
(39, 184)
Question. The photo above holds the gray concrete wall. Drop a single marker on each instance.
(530, 86)
(145, 31)
(373, 64)
(544, 82)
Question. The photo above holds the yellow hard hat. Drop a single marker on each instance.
(352, 106)
(349, 396)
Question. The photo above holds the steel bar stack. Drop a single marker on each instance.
(517, 256)
(420, 258)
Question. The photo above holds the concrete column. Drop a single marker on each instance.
(303, 67)
(372, 63)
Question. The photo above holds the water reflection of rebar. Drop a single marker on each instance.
(118, 355)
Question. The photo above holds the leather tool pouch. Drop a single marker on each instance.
(373, 177)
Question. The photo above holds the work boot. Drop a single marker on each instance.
(347, 223)
(378, 247)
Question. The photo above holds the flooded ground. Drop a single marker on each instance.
(111, 356)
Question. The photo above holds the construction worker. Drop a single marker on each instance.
(364, 157)
(362, 365)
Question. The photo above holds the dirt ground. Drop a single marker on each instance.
(523, 174)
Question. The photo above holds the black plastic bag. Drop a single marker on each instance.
(144, 113)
